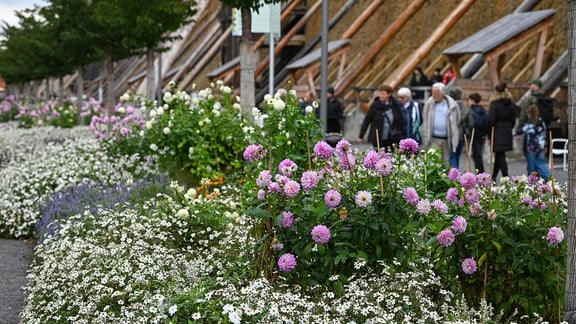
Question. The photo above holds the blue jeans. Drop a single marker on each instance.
(455, 156)
(537, 163)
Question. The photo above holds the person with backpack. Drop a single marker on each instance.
(465, 124)
(535, 143)
(480, 117)
(544, 103)
(502, 116)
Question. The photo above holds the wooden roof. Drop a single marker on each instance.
(315, 55)
(499, 32)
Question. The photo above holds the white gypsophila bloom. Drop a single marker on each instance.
(216, 113)
(190, 194)
(256, 112)
(226, 89)
(201, 123)
(219, 83)
(210, 96)
(289, 142)
(143, 109)
(121, 109)
(165, 107)
(287, 134)
(236, 106)
(212, 85)
(238, 98)
(142, 133)
(166, 130)
(207, 120)
(315, 104)
(149, 124)
(292, 92)
(270, 102)
(202, 94)
(183, 213)
(160, 111)
(308, 110)
(195, 101)
(172, 84)
(153, 147)
(268, 97)
(125, 97)
(153, 113)
(167, 96)
(248, 130)
(279, 104)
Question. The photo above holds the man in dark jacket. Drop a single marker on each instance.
(334, 113)
(386, 121)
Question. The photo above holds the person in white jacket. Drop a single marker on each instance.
(440, 118)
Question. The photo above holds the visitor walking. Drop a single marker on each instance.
(535, 144)
(481, 128)
(411, 114)
(501, 117)
(465, 124)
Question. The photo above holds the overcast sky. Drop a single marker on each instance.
(7, 8)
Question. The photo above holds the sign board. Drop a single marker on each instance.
(267, 18)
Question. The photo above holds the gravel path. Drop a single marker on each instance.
(15, 257)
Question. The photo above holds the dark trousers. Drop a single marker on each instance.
(477, 148)
(500, 165)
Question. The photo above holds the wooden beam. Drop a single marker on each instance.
(540, 53)
(369, 11)
(408, 66)
(384, 38)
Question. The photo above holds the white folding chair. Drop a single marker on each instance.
(560, 147)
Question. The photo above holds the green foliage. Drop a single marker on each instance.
(195, 138)
(517, 267)
(65, 115)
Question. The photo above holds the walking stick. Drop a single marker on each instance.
(469, 149)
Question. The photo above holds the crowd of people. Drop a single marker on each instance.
(452, 124)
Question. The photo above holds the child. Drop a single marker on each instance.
(535, 144)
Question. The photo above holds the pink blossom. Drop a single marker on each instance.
(467, 180)
(555, 235)
(254, 152)
(370, 159)
(459, 225)
(332, 198)
(408, 145)
(287, 219)
(261, 194)
(264, 178)
(309, 180)
(452, 195)
(410, 195)
(469, 266)
(384, 167)
(533, 178)
(291, 188)
(484, 179)
(287, 167)
(475, 209)
(472, 195)
(274, 187)
(343, 146)
(423, 207)
(287, 262)
(323, 150)
(320, 234)
(453, 174)
(440, 206)
(446, 238)
(347, 161)
(363, 198)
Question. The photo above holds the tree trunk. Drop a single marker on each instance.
(570, 289)
(80, 94)
(247, 65)
(150, 75)
(61, 89)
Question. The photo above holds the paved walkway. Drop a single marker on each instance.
(16, 255)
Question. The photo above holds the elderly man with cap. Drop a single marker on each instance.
(535, 92)
(411, 113)
(334, 113)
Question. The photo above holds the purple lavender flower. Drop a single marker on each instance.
(370, 159)
(453, 174)
(440, 206)
(343, 146)
(332, 198)
(287, 167)
(254, 152)
(452, 195)
(408, 145)
(287, 219)
(469, 266)
(363, 198)
(467, 180)
(320, 234)
(384, 167)
(472, 195)
(555, 235)
(264, 178)
(291, 188)
(287, 262)
(423, 207)
(446, 238)
(323, 150)
(309, 180)
(459, 225)
(411, 196)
